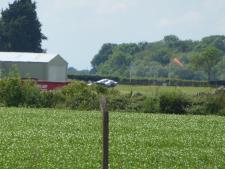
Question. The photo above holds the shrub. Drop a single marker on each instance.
(30, 94)
(51, 99)
(10, 91)
(196, 110)
(221, 112)
(151, 105)
(208, 104)
(197, 106)
(173, 103)
(136, 102)
(99, 89)
(80, 96)
(117, 102)
(215, 104)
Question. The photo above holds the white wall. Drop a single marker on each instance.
(57, 70)
(56, 73)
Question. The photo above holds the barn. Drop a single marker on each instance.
(40, 66)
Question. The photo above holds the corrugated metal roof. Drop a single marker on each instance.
(26, 57)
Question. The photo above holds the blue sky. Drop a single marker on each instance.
(76, 29)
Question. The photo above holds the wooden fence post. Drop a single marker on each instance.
(105, 133)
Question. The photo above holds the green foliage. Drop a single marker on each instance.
(215, 104)
(135, 102)
(99, 89)
(80, 96)
(117, 102)
(151, 105)
(10, 91)
(196, 110)
(171, 40)
(20, 29)
(207, 60)
(103, 55)
(155, 59)
(217, 41)
(30, 94)
(15, 92)
(208, 103)
(52, 99)
(173, 103)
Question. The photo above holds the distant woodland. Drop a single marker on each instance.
(200, 60)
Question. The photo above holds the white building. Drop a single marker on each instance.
(40, 66)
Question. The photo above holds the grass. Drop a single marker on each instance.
(48, 138)
(152, 90)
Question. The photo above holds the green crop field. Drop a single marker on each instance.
(152, 90)
(49, 138)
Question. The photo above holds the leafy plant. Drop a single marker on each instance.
(173, 102)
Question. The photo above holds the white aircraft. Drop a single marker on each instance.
(107, 82)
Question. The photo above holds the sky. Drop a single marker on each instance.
(76, 29)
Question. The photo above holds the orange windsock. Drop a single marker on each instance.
(178, 62)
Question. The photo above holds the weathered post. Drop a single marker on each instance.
(105, 133)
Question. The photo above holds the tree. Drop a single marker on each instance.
(149, 59)
(20, 29)
(102, 55)
(208, 58)
(171, 40)
(217, 41)
(161, 56)
(221, 69)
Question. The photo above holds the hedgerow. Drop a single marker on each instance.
(79, 96)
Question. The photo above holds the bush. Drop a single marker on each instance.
(208, 104)
(100, 89)
(173, 103)
(117, 102)
(10, 91)
(197, 106)
(136, 102)
(196, 110)
(221, 112)
(52, 99)
(151, 105)
(80, 96)
(30, 94)
(215, 104)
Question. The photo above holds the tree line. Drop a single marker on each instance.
(201, 60)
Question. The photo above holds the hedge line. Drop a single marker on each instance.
(141, 81)
(78, 95)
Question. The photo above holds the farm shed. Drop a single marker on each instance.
(40, 66)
